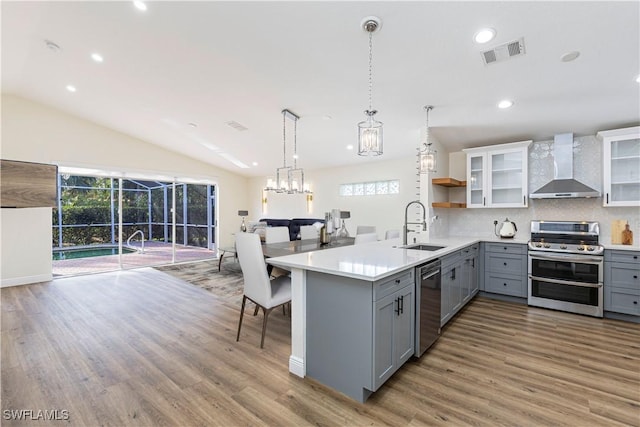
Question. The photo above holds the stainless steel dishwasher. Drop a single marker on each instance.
(428, 294)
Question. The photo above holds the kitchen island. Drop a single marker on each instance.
(340, 305)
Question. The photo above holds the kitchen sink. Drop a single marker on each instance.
(423, 247)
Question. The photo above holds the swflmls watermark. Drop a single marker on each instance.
(35, 414)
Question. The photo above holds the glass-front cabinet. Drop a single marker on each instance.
(497, 176)
(621, 169)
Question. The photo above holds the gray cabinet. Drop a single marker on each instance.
(622, 282)
(470, 272)
(393, 333)
(505, 269)
(459, 281)
(358, 333)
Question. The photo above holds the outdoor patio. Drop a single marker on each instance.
(155, 253)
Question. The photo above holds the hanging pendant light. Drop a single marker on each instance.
(289, 180)
(370, 130)
(428, 156)
(296, 175)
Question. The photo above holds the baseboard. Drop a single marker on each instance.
(25, 280)
(296, 366)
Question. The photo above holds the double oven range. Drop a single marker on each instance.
(566, 267)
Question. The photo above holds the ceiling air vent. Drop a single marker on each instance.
(503, 52)
(237, 126)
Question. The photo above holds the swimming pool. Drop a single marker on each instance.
(60, 254)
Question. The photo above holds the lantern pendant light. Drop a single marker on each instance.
(428, 156)
(370, 130)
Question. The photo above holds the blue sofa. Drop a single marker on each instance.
(293, 224)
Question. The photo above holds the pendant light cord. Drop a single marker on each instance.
(370, 68)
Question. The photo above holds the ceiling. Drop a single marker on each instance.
(180, 64)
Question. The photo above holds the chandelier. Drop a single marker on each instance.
(289, 180)
(428, 156)
(370, 130)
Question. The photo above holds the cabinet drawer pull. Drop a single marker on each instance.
(397, 280)
(397, 310)
(505, 248)
(635, 302)
(635, 277)
(505, 263)
(402, 304)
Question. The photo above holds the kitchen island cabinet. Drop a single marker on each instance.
(359, 332)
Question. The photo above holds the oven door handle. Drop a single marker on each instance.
(566, 282)
(569, 258)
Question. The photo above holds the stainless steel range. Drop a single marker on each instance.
(566, 266)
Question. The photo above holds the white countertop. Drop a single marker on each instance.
(369, 261)
(375, 261)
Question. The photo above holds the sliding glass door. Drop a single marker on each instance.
(110, 223)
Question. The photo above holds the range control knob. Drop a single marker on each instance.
(547, 245)
(563, 246)
(590, 248)
(538, 245)
(581, 248)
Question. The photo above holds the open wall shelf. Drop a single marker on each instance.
(450, 183)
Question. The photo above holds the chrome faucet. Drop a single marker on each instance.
(406, 220)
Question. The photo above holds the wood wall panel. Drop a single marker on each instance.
(27, 185)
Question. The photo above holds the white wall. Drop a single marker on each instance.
(37, 133)
(25, 237)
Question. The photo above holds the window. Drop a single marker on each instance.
(370, 188)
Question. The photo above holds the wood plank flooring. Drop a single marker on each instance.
(140, 348)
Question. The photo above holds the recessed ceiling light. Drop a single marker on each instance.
(97, 57)
(140, 5)
(254, 163)
(505, 103)
(570, 56)
(484, 35)
(349, 147)
(193, 125)
(638, 79)
(71, 88)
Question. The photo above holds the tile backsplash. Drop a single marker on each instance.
(587, 168)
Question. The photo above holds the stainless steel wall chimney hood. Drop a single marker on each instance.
(563, 185)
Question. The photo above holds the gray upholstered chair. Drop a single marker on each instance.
(308, 232)
(391, 234)
(276, 234)
(364, 229)
(258, 288)
(365, 238)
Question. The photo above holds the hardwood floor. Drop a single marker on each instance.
(139, 347)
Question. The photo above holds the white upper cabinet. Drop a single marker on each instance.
(497, 176)
(621, 169)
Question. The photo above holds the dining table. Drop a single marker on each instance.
(270, 250)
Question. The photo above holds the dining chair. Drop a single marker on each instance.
(308, 232)
(276, 234)
(363, 229)
(391, 234)
(267, 294)
(365, 238)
